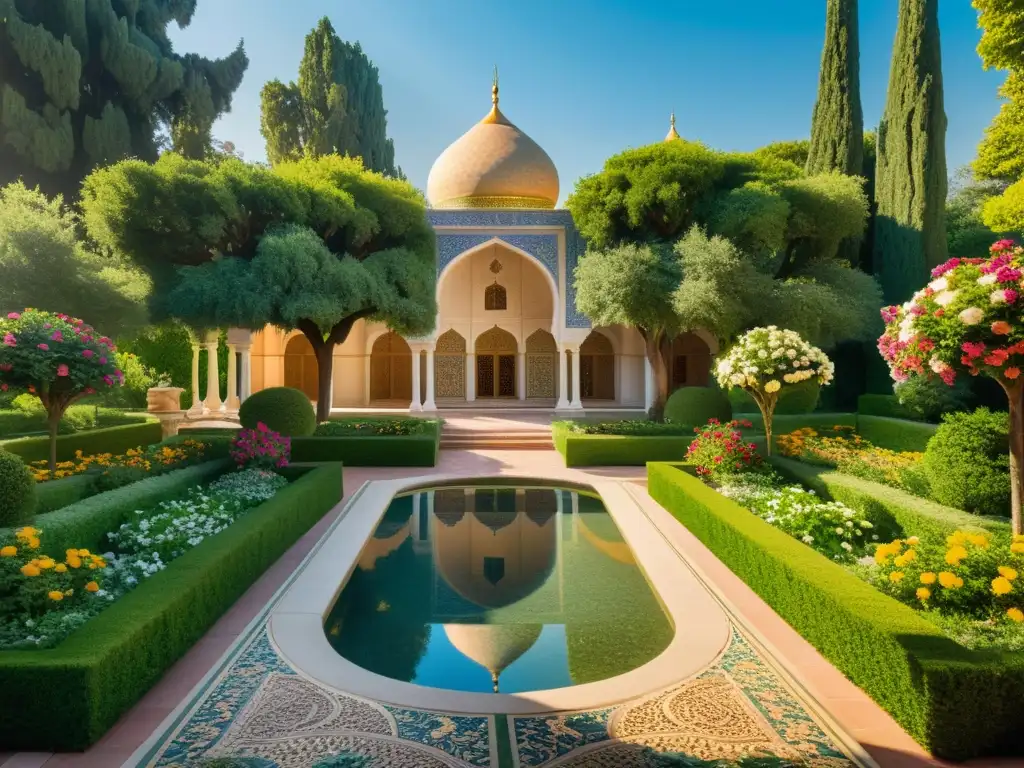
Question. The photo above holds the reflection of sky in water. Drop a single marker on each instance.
(545, 665)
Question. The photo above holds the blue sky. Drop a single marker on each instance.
(588, 78)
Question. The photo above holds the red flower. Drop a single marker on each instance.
(1011, 373)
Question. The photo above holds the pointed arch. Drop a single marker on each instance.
(390, 368)
(597, 367)
(541, 365)
(450, 365)
(300, 367)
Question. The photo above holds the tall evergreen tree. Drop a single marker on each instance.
(87, 83)
(837, 127)
(337, 106)
(911, 184)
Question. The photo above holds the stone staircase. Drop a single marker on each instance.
(495, 435)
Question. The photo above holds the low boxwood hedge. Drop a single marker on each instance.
(110, 440)
(66, 698)
(787, 422)
(895, 434)
(583, 450)
(55, 494)
(956, 703)
(907, 514)
(882, 405)
(369, 450)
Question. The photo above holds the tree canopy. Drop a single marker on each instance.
(336, 107)
(46, 266)
(313, 245)
(83, 84)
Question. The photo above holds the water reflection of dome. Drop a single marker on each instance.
(493, 646)
(377, 548)
(494, 568)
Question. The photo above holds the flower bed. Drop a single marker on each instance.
(109, 440)
(139, 462)
(629, 428)
(580, 449)
(362, 427)
(66, 697)
(958, 703)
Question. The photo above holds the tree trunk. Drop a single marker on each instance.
(53, 422)
(1014, 393)
(766, 403)
(652, 347)
(325, 380)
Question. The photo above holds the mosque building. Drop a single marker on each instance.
(508, 332)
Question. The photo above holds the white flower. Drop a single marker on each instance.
(972, 316)
(998, 296)
(945, 298)
(939, 285)
(808, 539)
(846, 545)
(988, 279)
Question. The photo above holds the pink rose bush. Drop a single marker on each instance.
(261, 448)
(967, 321)
(58, 358)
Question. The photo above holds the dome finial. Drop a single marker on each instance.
(494, 87)
(495, 116)
(672, 132)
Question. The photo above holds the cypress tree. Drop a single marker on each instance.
(837, 127)
(911, 184)
(86, 83)
(337, 106)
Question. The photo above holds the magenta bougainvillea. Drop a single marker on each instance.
(58, 358)
(261, 448)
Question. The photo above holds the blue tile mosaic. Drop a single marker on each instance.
(539, 740)
(464, 737)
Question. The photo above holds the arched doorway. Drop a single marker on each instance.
(496, 364)
(689, 361)
(450, 365)
(597, 368)
(541, 365)
(391, 369)
(300, 368)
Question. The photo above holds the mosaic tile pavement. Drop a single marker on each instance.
(261, 711)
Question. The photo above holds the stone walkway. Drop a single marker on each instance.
(813, 694)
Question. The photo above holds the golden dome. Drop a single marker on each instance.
(493, 165)
(672, 132)
(493, 646)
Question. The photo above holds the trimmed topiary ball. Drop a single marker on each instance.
(17, 491)
(967, 462)
(283, 409)
(693, 406)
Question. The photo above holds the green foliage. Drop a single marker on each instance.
(17, 490)
(967, 462)
(583, 450)
(911, 183)
(283, 409)
(956, 703)
(85, 84)
(927, 399)
(895, 433)
(967, 235)
(837, 126)
(67, 699)
(416, 450)
(794, 152)
(882, 405)
(337, 107)
(634, 427)
(794, 399)
(694, 406)
(358, 427)
(107, 440)
(1006, 212)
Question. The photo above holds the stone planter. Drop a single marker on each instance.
(164, 399)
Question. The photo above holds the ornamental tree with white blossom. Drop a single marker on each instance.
(967, 321)
(764, 360)
(58, 358)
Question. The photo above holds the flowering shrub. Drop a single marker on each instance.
(974, 574)
(719, 451)
(832, 528)
(153, 460)
(43, 594)
(365, 426)
(261, 448)
(966, 320)
(763, 360)
(57, 358)
(848, 452)
(42, 600)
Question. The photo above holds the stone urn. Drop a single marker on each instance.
(164, 399)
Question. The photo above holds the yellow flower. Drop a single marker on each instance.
(30, 570)
(8, 551)
(46, 563)
(927, 577)
(27, 532)
(1017, 547)
(950, 580)
(1015, 614)
(980, 540)
(92, 586)
(772, 386)
(60, 568)
(1007, 572)
(896, 577)
(74, 562)
(913, 541)
(55, 595)
(1001, 585)
(83, 553)
(955, 554)
(923, 593)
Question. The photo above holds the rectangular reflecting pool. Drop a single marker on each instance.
(485, 588)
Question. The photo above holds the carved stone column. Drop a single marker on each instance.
(575, 402)
(212, 403)
(415, 405)
(197, 404)
(429, 404)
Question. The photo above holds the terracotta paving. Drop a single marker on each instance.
(849, 707)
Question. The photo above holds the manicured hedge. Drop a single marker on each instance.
(580, 450)
(882, 405)
(370, 450)
(895, 434)
(109, 440)
(956, 703)
(84, 523)
(66, 698)
(908, 515)
(784, 422)
(55, 494)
